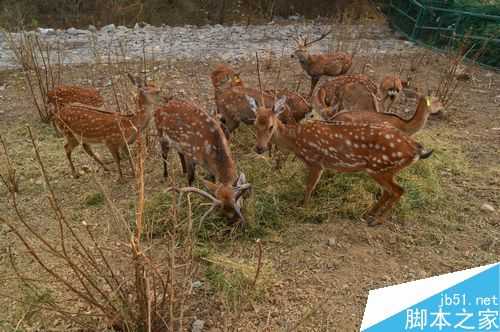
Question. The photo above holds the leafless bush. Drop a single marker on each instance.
(452, 77)
(98, 283)
(42, 66)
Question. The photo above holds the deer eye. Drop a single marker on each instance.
(271, 128)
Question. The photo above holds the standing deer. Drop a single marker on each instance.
(379, 150)
(230, 92)
(63, 95)
(317, 65)
(199, 138)
(358, 92)
(426, 106)
(84, 124)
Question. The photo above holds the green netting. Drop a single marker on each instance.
(442, 24)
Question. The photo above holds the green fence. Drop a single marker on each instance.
(442, 24)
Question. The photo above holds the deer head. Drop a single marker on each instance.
(226, 197)
(303, 43)
(266, 122)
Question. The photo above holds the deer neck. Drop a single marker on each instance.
(419, 118)
(286, 135)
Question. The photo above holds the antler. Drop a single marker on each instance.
(197, 191)
(323, 35)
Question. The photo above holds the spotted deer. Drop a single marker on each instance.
(357, 92)
(317, 65)
(426, 106)
(84, 124)
(377, 149)
(199, 138)
(63, 95)
(230, 92)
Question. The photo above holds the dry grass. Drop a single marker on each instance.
(302, 283)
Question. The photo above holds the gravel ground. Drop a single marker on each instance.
(235, 42)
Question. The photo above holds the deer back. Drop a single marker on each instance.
(352, 146)
(194, 133)
(93, 125)
(67, 94)
(234, 105)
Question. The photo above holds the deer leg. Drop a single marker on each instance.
(116, 156)
(183, 163)
(312, 180)
(71, 143)
(191, 171)
(369, 215)
(165, 148)
(394, 193)
(91, 153)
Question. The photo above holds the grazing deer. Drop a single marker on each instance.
(199, 138)
(379, 150)
(84, 124)
(426, 106)
(357, 92)
(317, 65)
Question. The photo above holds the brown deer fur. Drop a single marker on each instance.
(358, 92)
(425, 107)
(317, 65)
(379, 150)
(83, 124)
(200, 139)
(62, 95)
(230, 92)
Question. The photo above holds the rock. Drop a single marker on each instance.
(73, 31)
(197, 284)
(92, 28)
(110, 28)
(332, 242)
(46, 31)
(487, 207)
(198, 325)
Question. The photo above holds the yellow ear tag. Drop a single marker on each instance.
(428, 100)
(236, 79)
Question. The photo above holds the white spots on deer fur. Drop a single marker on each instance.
(356, 145)
(389, 136)
(399, 154)
(385, 157)
(398, 140)
(348, 142)
(377, 146)
(392, 145)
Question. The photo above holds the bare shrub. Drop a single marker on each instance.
(42, 67)
(97, 283)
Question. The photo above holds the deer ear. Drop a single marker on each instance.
(252, 103)
(279, 105)
(212, 187)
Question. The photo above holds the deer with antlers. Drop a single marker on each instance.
(426, 106)
(377, 149)
(199, 138)
(357, 92)
(317, 65)
(84, 124)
